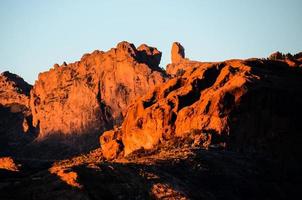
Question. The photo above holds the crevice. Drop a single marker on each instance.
(209, 78)
(177, 85)
(139, 123)
(106, 113)
(226, 104)
(149, 102)
(123, 92)
(173, 118)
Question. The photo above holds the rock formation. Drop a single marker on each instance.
(178, 61)
(90, 96)
(291, 60)
(235, 124)
(245, 105)
(13, 90)
(177, 53)
(8, 163)
(15, 115)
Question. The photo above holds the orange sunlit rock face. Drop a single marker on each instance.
(178, 61)
(13, 90)
(66, 175)
(209, 104)
(177, 53)
(8, 163)
(170, 134)
(163, 191)
(91, 95)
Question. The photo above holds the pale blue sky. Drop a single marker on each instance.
(35, 34)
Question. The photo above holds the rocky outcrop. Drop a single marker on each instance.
(161, 149)
(13, 90)
(67, 176)
(292, 60)
(245, 105)
(177, 53)
(15, 115)
(149, 55)
(90, 96)
(111, 142)
(7, 163)
(178, 61)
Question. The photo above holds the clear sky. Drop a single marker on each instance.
(35, 34)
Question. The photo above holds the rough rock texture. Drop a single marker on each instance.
(172, 173)
(15, 115)
(175, 141)
(149, 55)
(111, 141)
(178, 61)
(245, 105)
(177, 53)
(90, 96)
(13, 90)
(68, 176)
(8, 163)
(291, 60)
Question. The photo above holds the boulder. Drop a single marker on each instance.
(111, 144)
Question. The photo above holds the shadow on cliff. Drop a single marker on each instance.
(17, 143)
(59, 146)
(267, 120)
(12, 135)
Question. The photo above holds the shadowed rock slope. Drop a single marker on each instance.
(171, 173)
(15, 115)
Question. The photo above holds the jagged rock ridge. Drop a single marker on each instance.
(247, 105)
(90, 96)
(292, 60)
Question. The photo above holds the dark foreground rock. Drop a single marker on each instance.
(178, 173)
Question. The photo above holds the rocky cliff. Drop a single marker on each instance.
(13, 90)
(15, 115)
(220, 130)
(91, 95)
(249, 105)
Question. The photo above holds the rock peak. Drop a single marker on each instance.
(92, 94)
(126, 48)
(13, 88)
(124, 45)
(177, 52)
(149, 55)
